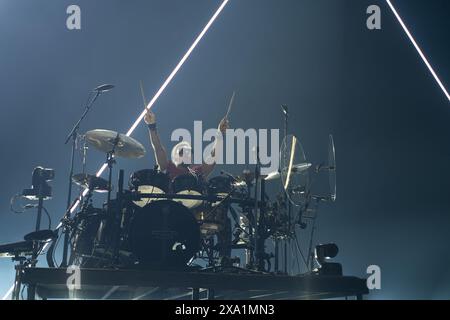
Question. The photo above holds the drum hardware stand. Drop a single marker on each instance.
(84, 156)
(65, 225)
(118, 215)
(73, 135)
(110, 161)
(23, 262)
(258, 237)
(254, 225)
(288, 239)
(289, 206)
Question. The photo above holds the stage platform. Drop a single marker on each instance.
(51, 283)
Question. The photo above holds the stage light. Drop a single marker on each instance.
(322, 254)
(325, 252)
(425, 60)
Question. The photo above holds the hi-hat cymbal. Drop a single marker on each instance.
(104, 140)
(89, 181)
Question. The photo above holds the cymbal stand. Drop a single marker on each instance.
(110, 161)
(287, 201)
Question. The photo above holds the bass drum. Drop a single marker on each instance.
(163, 234)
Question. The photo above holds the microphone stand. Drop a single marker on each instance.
(73, 136)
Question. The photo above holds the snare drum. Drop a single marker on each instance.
(149, 181)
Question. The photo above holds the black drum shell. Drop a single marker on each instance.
(87, 226)
(149, 177)
(187, 182)
(219, 185)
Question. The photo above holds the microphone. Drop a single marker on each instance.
(285, 109)
(104, 88)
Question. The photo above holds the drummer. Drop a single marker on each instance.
(180, 163)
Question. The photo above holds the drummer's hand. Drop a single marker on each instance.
(223, 125)
(149, 117)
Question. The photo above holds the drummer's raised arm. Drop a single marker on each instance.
(160, 152)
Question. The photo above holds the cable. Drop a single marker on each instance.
(12, 201)
(48, 217)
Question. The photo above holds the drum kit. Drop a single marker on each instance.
(161, 223)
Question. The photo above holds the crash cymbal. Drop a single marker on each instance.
(92, 182)
(104, 140)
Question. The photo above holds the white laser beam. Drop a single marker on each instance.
(7, 294)
(425, 60)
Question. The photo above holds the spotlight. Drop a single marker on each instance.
(325, 251)
(322, 254)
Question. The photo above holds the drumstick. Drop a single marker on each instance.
(142, 93)
(230, 105)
